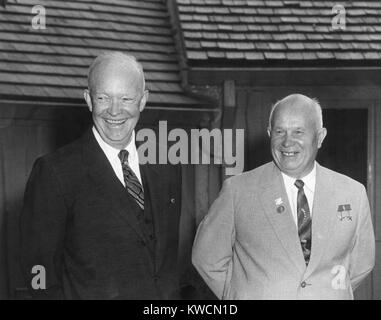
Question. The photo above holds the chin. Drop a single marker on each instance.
(117, 134)
(287, 168)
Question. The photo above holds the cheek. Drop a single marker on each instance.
(98, 110)
(133, 111)
(308, 147)
(276, 144)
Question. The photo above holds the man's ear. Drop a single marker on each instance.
(86, 95)
(321, 136)
(143, 100)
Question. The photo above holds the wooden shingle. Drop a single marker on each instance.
(284, 30)
(53, 62)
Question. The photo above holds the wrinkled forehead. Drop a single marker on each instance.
(296, 111)
(111, 67)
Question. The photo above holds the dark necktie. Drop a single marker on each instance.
(304, 221)
(133, 185)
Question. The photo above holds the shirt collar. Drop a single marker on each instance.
(309, 180)
(111, 152)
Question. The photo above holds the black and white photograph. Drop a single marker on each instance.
(190, 154)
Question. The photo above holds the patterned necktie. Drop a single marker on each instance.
(304, 221)
(133, 185)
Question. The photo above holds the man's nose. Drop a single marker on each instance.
(114, 107)
(287, 140)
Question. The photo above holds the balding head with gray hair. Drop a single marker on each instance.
(115, 96)
(296, 133)
(299, 99)
(115, 58)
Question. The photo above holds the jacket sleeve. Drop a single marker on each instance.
(42, 223)
(212, 248)
(363, 253)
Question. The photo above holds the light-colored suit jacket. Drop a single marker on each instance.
(247, 246)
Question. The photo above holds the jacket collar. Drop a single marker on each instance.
(324, 210)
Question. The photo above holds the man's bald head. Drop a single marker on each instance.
(296, 133)
(301, 100)
(114, 60)
(115, 96)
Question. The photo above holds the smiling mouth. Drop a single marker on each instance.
(289, 154)
(116, 122)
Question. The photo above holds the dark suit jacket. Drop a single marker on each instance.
(80, 223)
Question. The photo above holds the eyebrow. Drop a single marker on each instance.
(121, 95)
(294, 128)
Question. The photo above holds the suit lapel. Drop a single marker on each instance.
(323, 216)
(153, 183)
(103, 177)
(282, 222)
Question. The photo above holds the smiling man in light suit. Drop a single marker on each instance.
(290, 229)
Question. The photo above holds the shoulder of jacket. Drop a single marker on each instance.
(343, 181)
(249, 177)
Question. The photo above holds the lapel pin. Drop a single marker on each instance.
(278, 201)
(344, 211)
(279, 205)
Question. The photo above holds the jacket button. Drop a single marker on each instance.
(303, 284)
(173, 200)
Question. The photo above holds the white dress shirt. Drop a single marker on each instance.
(112, 156)
(292, 191)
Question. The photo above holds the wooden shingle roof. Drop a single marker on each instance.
(273, 31)
(51, 63)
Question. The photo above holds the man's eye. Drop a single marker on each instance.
(127, 99)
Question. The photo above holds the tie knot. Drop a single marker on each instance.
(299, 183)
(123, 156)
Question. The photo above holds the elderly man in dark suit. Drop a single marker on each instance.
(101, 225)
